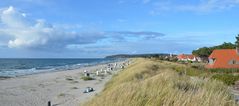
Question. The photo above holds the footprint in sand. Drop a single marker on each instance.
(41, 85)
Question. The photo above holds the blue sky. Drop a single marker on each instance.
(97, 28)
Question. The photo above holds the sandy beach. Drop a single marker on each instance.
(64, 88)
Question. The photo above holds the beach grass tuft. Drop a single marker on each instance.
(61, 95)
(87, 78)
(69, 79)
(74, 88)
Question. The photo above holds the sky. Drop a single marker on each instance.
(97, 28)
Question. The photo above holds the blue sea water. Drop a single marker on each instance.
(19, 67)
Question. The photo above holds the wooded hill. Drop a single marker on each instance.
(137, 55)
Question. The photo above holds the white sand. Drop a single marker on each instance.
(38, 89)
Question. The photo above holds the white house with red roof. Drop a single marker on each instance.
(224, 58)
(186, 57)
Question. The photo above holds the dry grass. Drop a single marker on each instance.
(151, 83)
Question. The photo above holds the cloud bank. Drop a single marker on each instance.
(142, 35)
(17, 30)
(21, 32)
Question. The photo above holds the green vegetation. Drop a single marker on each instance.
(74, 82)
(237, 41)
(206, 51)
(61, 95)
(228, 79)
(87, 78)
(69, 79)
(225, 71)
(74, 88)
(228, 76)
(156, 83)
(189, 71)
(137, 55)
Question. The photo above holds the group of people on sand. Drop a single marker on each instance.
(110, 67)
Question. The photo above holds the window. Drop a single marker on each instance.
(233, 62)
(211, 61)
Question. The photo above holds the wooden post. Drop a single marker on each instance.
(97, 73)
(49, 103)
(105, 71)
(185, 71)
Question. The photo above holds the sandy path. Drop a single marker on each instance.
(63, 88)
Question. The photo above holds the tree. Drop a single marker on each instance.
(202, 52)
(225, 45)
(206, 51)
(237, 41)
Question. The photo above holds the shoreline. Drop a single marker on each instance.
(62, 88)
(57, 69)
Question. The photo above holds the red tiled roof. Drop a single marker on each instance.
(185, 56)
(223, 57)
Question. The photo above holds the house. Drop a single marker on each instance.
(186, 57)
(224, 58)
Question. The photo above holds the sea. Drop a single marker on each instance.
(19, 67)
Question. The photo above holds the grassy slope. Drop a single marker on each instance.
(154, 83)
(228, 76)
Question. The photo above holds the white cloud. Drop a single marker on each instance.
(21, 32)
(144, 35)
(17, 30)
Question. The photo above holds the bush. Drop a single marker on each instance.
(186, 86)
(87, 78)
(199, 66)
(224, 70)
(225, 75)
(182, 62)
(173, 59)
(189, 71)
(69, 79)
(228, 79)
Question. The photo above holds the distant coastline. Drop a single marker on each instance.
(137, 55)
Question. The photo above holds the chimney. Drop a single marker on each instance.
(237, 50)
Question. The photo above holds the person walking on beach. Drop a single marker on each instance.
(86, 73)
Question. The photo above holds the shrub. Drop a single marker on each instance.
(189, 71)
(225, 75)
(74, 88)
(186, 86)
(228, 79)
(69, 79)
(199, 66)
(224, 70)
(173, 59)
(61, 94)
(87, 78)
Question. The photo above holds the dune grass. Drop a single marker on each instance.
(87, 78)
(228, 76)
(155, 83)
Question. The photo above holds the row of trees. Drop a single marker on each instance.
(206, 51)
